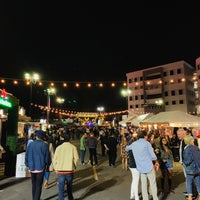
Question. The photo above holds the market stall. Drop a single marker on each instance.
(173, 119)
(127, 120)
(136, 120)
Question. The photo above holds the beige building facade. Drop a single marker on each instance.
(162, 88)
(197, 85)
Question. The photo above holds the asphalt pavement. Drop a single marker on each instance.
(101, 182)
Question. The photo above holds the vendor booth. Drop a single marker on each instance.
(127, 120)
(8, 129)
(173, 119)
(136, 120)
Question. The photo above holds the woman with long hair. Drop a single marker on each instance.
(124, 153)
(166, 163)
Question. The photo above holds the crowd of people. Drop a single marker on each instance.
(142, 153)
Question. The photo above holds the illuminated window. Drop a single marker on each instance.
(183, 79)
(148, 82)
(124, 84)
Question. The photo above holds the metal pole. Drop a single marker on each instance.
(48, 106)
(31, 89)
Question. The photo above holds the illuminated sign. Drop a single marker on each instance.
(3, 99)
(5, 102)
(4, 93)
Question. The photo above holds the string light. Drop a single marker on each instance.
(77, 85)
(63, 83)
(89, 85)
(79, 114)
(15, 82)
(112, 84)
(52, 84)
(100, 84)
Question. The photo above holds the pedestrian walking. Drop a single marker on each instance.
(92, 146)
(103, 138)
(124, 153)
(144, 157)
(174, 144)
(37, 160)
(135, 175)
(190, 166)
(111, 147)
(65, 162)
(50, 169)
(181, 133)
(83, 146)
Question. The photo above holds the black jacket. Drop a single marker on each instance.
(131, 163)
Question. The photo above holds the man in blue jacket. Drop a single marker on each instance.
(37, 160)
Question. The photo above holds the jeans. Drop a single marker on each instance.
(103, 149)
(82, 156)
(112, 155)
(135, 183)
(152, 181)
(37, 181)
(189, 183)
(168, 164)
(62, 179)
(93, 155)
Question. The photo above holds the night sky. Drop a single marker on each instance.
(93, 41)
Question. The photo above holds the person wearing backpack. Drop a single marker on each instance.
(190, 163)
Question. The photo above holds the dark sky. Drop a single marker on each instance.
(95, 41)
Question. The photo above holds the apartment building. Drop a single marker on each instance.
(197, 85)
(162, 88)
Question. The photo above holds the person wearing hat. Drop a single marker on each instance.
(64, 162)
(37, 160)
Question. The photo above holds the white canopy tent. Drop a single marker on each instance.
(128, 119)
(136, 120)
(173, 119)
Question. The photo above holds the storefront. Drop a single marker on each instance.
(9, 106)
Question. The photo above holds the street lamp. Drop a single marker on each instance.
(49, 92)
(100, 109)
(60, 101)
(31, 78)
(126, 93)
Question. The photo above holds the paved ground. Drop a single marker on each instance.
(112, 184)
